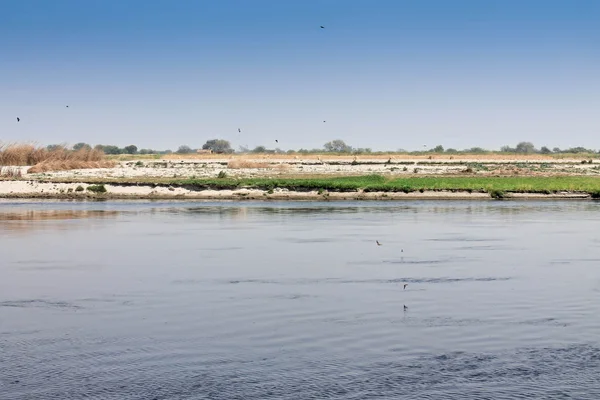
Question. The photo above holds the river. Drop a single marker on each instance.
(295, 300)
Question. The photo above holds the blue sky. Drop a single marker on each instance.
(384, 74)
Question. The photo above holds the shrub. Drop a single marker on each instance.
(96, 188)
(496, 194)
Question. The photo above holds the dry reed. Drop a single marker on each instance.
(10, 172)
(56, 159)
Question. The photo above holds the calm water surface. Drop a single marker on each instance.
(175, 300)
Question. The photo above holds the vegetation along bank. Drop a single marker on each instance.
(375, 187)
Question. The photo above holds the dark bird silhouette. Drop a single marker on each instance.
(405, 308)
(276, 141)
(67, 106)
(378, 244)
(239, 130)
(324, 121)
(405, 285)
(322, 27)
(18, 119)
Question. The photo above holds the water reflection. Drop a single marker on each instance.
(31, 220)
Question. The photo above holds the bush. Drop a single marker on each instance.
(97, 189)
(496, 194)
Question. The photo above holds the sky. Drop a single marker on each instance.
(383, 74)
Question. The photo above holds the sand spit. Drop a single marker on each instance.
(36, 189)
(249, 167)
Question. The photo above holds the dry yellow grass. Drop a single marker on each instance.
(43, 160)
(66, 165)
(248, 164)
(242, 164)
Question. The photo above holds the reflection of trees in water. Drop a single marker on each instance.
(23, 220)
(423, 207)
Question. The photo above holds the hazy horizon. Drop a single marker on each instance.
(384, 75)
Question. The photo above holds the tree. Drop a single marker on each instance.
(525, 147)
(260, 149)
(556, 150)
(438, 149)
(131, 149)
(81, 145)
(476, 150)
(337, 146)
(53, 147)
(507, 149)
(579, 149)
(218, 146)
(109, 149)
(545, 150)
(184, 149)
(146, 151)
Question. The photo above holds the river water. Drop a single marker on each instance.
(293, 300)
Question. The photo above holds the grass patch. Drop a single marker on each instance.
(374, 183)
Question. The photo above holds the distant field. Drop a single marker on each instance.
(374, 156)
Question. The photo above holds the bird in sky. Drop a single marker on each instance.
(18, 119)
(239, 130)
(405, 285)
(378, 244)
(322, 27)
(324, 121)
(276, 141)
(405, 308)
(67, 106)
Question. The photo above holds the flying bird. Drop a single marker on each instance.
(324, 121)
(405, 285)
(378, 244)
(67, 106)
(405, 308)
(239, 130)
(322, 27)
(18, 119)
(276, 141)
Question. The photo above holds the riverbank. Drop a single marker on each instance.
(366, 187)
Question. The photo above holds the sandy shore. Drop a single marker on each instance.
(35, 189)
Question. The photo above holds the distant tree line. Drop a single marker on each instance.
(221, 146)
